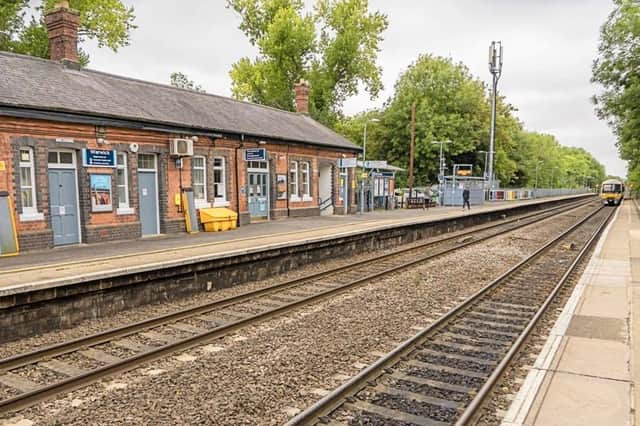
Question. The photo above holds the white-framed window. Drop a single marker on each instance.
(305, 180)
(293, 180)
(122, 184)
(219, 181)
(28, 184)
(199, 179)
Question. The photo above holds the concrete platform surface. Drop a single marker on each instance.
(71, 265)
(588, 370)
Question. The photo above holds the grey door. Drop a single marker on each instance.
(148, 196)
(258, 196)
(63, 204)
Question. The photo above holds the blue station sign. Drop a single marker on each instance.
(255, 154)
(99, 158)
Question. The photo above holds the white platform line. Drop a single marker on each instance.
(523, 401)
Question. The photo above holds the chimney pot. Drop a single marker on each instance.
(62, 27)
(302, 97)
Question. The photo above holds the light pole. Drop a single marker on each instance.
(484, 173)
(495, 67)
(364, 158)
(441, 172)
(535, 188)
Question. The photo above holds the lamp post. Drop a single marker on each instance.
(364, 158)
(441, 170)
(495, 67)
(535, 187)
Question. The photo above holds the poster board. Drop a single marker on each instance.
(190, 213)
(100, 193)
(8, 236)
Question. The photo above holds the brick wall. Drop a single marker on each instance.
(43, 136)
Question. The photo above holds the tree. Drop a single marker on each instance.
(181, 81)
(453, 105)
(450, 105)
(617, 69)
(109, 22)
(335, 48)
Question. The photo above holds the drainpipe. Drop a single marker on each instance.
(238, 178)
(287, 183)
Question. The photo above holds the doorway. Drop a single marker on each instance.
(325, 188)
(258, 190)
(63, 197)
(148, 194)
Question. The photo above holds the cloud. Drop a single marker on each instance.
(549, 46)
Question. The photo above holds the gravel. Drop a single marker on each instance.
(265, 373)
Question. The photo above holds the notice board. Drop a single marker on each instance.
(8, 236)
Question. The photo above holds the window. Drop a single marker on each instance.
(304, 178)
(60, 157)
(147, 161)
(219, 184)
(27, 182)
(258, 165)
(122, 183)
(293, 180)
(199, 179)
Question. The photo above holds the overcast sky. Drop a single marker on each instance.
(548, 49)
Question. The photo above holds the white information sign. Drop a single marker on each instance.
(375, 164)
(347, 163)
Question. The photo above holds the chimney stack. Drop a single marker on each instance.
(62, 26)
(302, 97)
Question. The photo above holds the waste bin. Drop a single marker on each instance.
(218, 219)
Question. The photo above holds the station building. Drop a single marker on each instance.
(87, 156)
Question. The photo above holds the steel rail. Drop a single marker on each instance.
(30, 398)
(473, 408)
(336, 398)
(119, 332)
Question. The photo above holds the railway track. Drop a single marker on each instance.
(443, 375)
(42, 374)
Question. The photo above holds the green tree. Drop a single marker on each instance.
(617, 69)
(182, 81)
(335, 48)
(109, 22)
(450, 105)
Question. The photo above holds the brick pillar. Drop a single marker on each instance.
(62, 26)
(302, 97)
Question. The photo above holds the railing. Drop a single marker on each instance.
(510, 194)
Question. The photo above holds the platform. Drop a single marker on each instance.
(70, 265)
(588, 370)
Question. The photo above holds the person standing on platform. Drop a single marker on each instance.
(465, 198)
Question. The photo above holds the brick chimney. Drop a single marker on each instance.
(62, 25)
(302, 97)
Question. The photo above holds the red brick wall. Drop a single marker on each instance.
(44, 134)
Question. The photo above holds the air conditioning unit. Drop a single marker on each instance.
(182, 147)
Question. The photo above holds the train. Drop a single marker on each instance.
(612, 192)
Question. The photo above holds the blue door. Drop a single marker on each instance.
(148, 196)
(63, 205)
(258, 195)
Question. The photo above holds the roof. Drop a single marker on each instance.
(33, 83)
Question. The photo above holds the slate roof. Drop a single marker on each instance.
(27, 82)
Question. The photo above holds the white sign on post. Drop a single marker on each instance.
(375, 164)
(347, 163)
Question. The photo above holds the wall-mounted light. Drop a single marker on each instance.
(101, 135)
(194, 138)
(262, 142)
